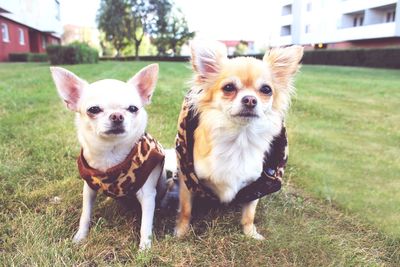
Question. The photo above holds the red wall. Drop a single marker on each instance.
(13, 45)
(33, 40)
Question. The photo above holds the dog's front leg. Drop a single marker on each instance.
(147, 199)
(185, 209)
(248, 213)
(89, 196)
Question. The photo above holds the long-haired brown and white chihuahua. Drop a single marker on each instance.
(241, 104)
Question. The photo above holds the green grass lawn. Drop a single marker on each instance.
(345, 131)
(340, 205)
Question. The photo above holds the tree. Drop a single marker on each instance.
(241, 48)
(107, 48)
(112, 19)
(127, 21)
(179, 32)
(140, 20)
(159, 25)
(146, 48)
(170, 30)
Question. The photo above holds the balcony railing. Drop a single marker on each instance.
(367, 32)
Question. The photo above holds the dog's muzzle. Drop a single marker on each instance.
(247, 114)
(117, 124)
(249, 104)
(116, 129)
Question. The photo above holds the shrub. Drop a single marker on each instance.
(27, 57)
(74, 53)
(36, 57)
(148, 58)
(378, 58)
(18, 57)
(54, 54)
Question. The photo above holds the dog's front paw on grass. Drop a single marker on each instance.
(251, 231)
(145, 244)
(79, 237)
(181, 231)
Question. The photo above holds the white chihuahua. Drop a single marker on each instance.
(117, 156)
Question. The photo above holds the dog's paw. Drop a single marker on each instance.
(145, 244)
(79, 237)
(181, 231)
(257, 236)
(251, 231)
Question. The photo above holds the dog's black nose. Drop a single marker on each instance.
(249, 101)
(117, 117)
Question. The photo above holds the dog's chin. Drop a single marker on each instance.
(245, 116)
(115, 132)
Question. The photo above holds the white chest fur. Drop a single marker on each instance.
(236, 157)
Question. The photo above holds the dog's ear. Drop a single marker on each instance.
(284, 62)
(69, 86)
(207, 57)
(145, 81)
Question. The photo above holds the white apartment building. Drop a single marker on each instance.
(338, 23)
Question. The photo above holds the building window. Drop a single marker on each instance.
(21, 36)
(286, 10)
(308, 28)
(286, 30)
(57, 9)
(4, 33)
(358, 20)
(391, 16)
(44, 41)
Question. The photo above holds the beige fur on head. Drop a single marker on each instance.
(284, 64)
(207, 57)
(211, 65)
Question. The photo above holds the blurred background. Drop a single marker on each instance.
(165, 27)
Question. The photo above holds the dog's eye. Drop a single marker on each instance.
(265, 89)
(94, 110)
(132, 109)
(230, 87)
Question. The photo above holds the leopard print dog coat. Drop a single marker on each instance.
(126, 178)
(270, 179)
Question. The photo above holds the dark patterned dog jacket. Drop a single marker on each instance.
(270, 179)
(126, 178)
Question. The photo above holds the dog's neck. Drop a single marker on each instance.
(103, 153)
(229, 154)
